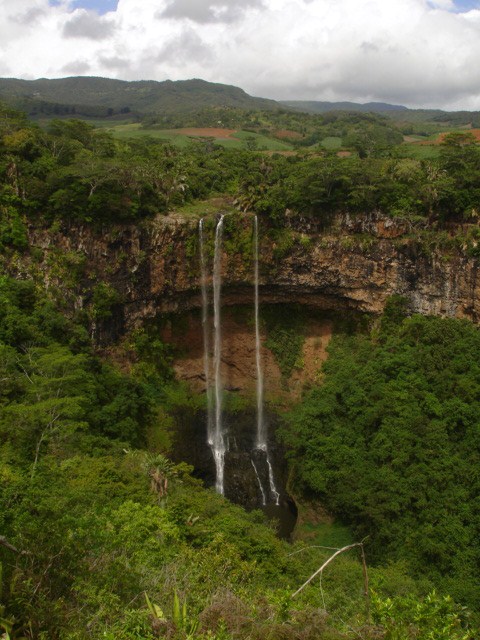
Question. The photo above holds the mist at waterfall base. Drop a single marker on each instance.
(246, 470)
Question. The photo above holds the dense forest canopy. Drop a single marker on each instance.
(73, 171)
(390, 441)
(102, 536)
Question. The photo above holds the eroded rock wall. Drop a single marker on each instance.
(353, 264)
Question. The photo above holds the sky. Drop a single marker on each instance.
(420, 53)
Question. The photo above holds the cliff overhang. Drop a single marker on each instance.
(352, 263)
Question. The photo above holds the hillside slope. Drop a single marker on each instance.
(397, 112)
(89, 95)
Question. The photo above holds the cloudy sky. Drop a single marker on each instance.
(412, 52)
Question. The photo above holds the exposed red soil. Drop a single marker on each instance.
(474, 132)
(208, 132)
(238, 366)
(286, 134)
(441, 137)
(344, 154)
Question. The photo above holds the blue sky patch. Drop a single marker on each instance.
(100, 6)
(466, 5)
(460, 6)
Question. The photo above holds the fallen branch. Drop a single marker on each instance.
(327, 562)
(4, 542)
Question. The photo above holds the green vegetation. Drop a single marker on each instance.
(102, 538)
(420, 151)
(285, 337)
(101, 534)
(73, 171)
(389, 444)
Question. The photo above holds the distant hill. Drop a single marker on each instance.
(103, 97)
(397, 112)
(171, 101)
(314, 106)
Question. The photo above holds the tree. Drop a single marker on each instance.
(56, 387)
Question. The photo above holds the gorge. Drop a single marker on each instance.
(168, 268)
(224, 359)
(386, 427)
(351, 263)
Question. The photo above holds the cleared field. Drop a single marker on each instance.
(229, 138)
(286, 134)
(418, 151)
(331, 142)
(474, 132)
(427, 148)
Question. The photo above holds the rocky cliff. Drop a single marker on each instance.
(352, 264)
(122, 276)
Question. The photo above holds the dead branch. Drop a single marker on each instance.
(327, 562)
(4, 543)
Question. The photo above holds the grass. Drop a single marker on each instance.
(205, 207)
(419, 151)
(331, 142)
(263, 142)
(238, 141)
(324, 534)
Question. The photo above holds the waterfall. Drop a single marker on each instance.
(271, 481)
(218, 444)
(264, 497)
(261, 440)
(213, 379)
(206, 337)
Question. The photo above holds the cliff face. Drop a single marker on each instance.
(356, 265)
(130, 274)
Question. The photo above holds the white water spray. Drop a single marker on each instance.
(271, 480)
(261, 441)
(206, 336)
(264, 497)
(218, 445)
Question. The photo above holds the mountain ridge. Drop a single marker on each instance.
(92, 95)
(320, 106)
(99, 97)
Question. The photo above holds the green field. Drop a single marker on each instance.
(239, 140)
(331, 142)
(419, 151)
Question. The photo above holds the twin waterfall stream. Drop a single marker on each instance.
(217, 435)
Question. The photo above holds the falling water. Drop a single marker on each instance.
(206, 337)
(271, 480)
(264, 497)
(261, 435)
(261, 442)
(218, 444)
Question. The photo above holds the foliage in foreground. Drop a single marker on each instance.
(107, 540)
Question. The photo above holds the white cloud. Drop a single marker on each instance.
(89, 25)
(414, 52)
(205, 11)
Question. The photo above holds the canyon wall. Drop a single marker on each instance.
(353, 264)
(123, 276)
